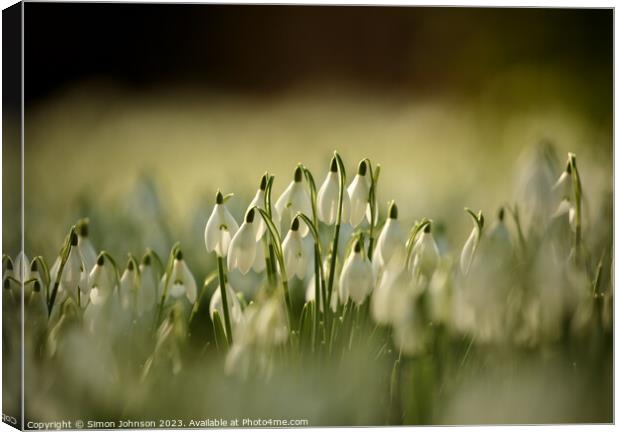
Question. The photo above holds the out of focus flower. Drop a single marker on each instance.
(128, 288)
(147, 292)
(71, 275)
(295, 257)
(356, 279)
(100, 282)
(294, 199)
(182, 282)
(85, 247)
(390, 242)
(327, 198)
(221, 227)
(234, 307)
(358, 192)
(424, 256)
(471, 244)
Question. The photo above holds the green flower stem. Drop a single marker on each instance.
(270, 260)
(64, 254)
(372, 200)
(222, 279)
(276, 243)
(334, 256)
(318, 271)
(319, 280)
(572, 159)
(164, 294)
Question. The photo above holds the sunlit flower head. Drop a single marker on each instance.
(294, 199)
(100, 282)
(358, 192)
(424, 255)
(242, 250)
(390, 242)
(147, 292)
(85, 246)
(220, 229)
(71, 275)
(182, 282)
(296, 258)
(327, 197)
(128, 287)
(356, 279)
(234, 307)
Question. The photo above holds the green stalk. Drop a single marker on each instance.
(334, 256)
(275, 241)
(270, 260)
(221, 277)
(318, 269)
(164, 293)
(63, 260)
(372, 200)
(319, 280)
(572, 159)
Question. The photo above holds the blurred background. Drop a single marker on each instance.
(136, 114)
(143, 111)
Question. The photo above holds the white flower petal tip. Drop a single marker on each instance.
(328, 199)
(295, 199)
(242, 250)
(220, 228)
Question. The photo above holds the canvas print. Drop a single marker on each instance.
(305, 216)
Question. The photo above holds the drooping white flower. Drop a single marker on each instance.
(22, 267)
(384, 302)
(356, 279)
(259, 201)
(71, 274)
(242, 250)
(100, 282)
(294, 199)
(295, 257)
(471, 244)
(234, 307)
(220, 229)
(128, 287)
(182, 282)
(358, 192)
(424, 255)
(147, 293)
(85, 247)
(390, 242)
(564, 184)
(327, 198)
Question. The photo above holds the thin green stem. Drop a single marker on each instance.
(276, 243)
(334, 256)
(222, 279)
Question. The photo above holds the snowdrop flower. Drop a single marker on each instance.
(293, 200)
(22, 267)
(182, 281)
(147, 292)
(390, 241)
(85, 247)
(259, 201)
(384, 305)
(242, 250)
(71, 274)
(424, 255)
(221, 227)
(327, 197)
(469, 249)
(356, 278)
(100, 282)
(234, 307)
(499, 237)
(358, 192)
(127, 288)
(295, 257)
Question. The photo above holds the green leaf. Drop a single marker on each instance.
(220, 334)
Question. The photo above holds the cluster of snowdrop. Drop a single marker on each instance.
(392, 273)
